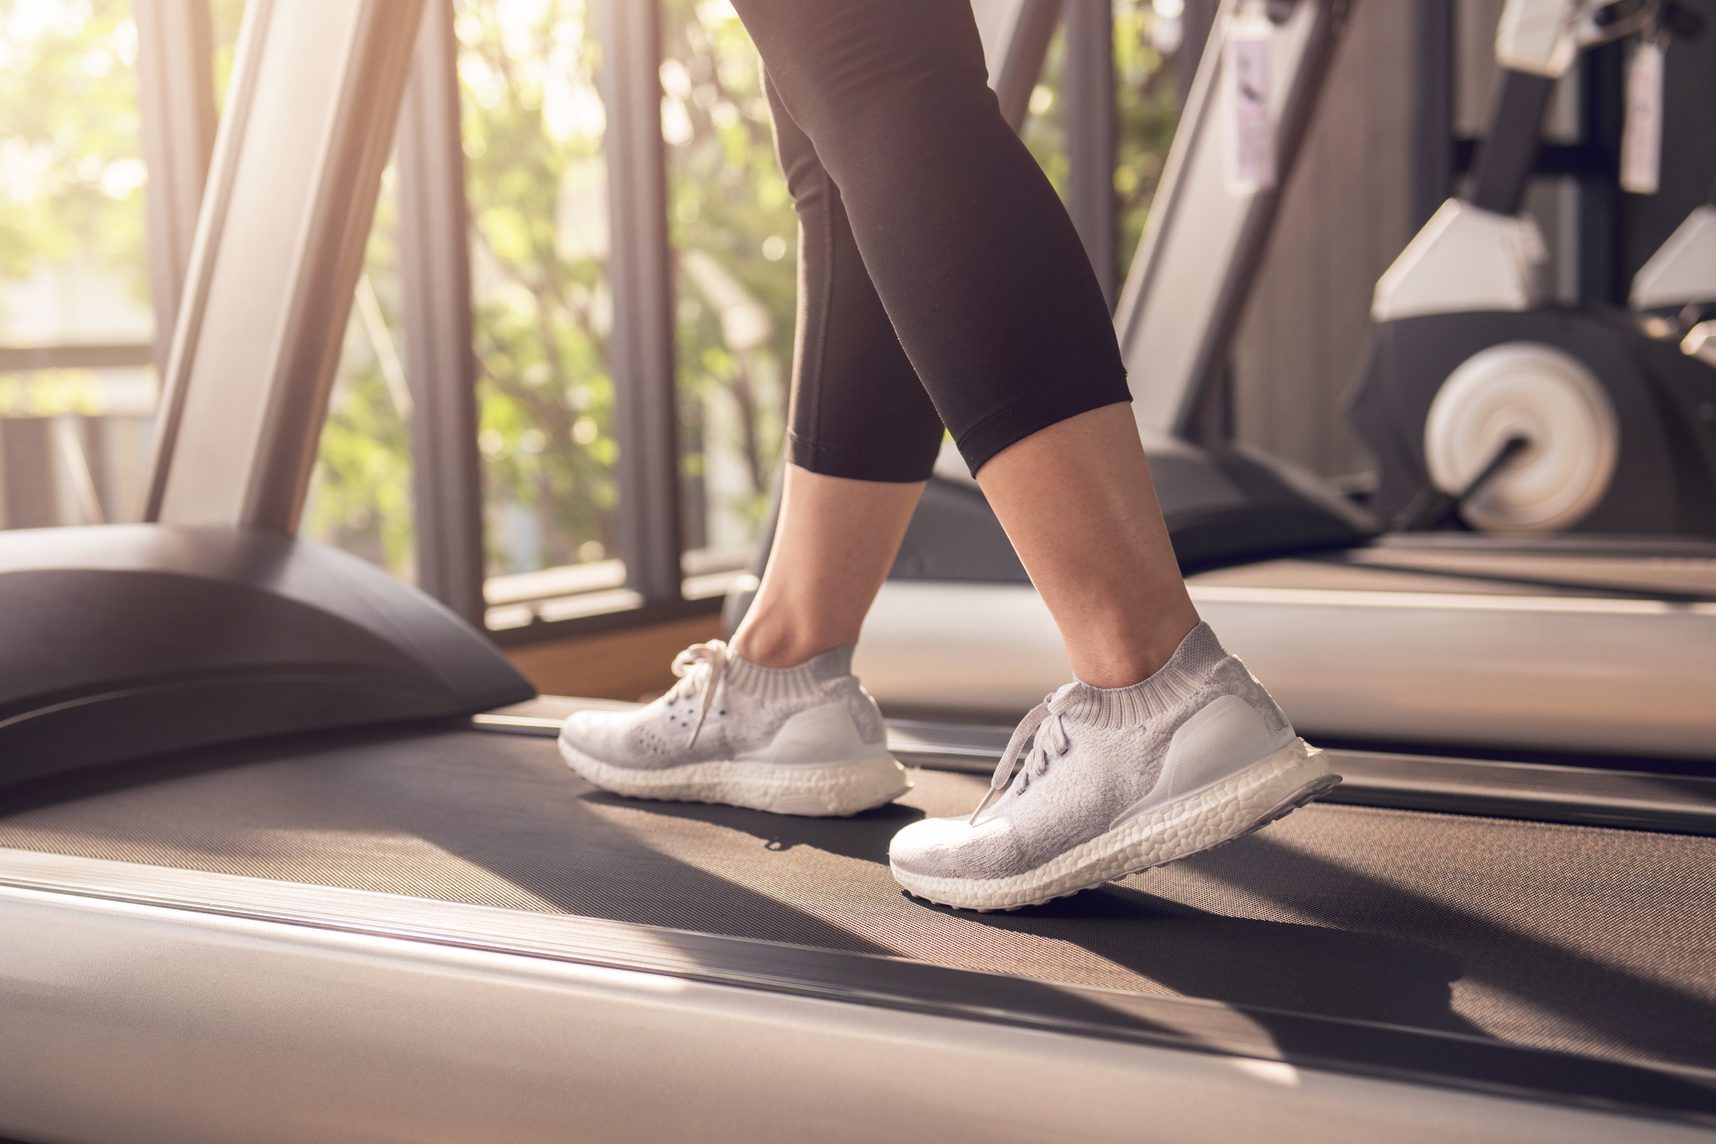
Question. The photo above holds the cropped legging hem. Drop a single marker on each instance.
(1004, 427)
(883, 464)
(1034, 412)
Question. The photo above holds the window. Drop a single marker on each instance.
(77, 332)
(1149, 71)
(1045, 129)
(576, 403)
(77, 384)
(734, 237)
(533, 128)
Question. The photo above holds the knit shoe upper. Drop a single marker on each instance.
(1098, 782)
(799, 740)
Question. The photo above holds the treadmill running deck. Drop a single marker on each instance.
(1595, 941)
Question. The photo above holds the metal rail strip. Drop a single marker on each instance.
(1590, 793)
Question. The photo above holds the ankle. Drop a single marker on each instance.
(1125, 658)
(775, 645)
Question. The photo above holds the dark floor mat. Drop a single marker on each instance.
(1593, 940)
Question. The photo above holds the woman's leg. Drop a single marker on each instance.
(862, 435)
(835, 539)
(1077, 503)
(985, 281)
(1166, 745)
(777, 721)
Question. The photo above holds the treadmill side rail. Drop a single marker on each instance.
(397, 1017)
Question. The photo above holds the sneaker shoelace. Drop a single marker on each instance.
(701, 667)
(1046, 730)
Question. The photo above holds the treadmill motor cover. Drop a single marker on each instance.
(128, 640)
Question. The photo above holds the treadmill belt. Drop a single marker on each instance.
(1583, 939)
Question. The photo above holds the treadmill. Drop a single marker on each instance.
(1560, 644)
(286, 851)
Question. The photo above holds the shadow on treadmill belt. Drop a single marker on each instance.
(1585, 940)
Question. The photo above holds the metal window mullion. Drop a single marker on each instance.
(440, 365)
(641, 359)
(1092, 137)
(175, 82)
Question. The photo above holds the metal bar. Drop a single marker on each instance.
(1432, 154)
(1587, 793)
(1509, 151)
(1586, 162)
(1016, 35)
(1537, 792)
(1601, 213)
(71, 436)
(175, 79)
(1092, 137)
(1202, 247)
(27, 473)
(641, 350)
(441, 368)
(1590, 790)
(121, 355)
(279, 246)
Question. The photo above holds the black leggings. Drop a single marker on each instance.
(940, 279)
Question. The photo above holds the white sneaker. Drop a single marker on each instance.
(800, 740)
(1118, 780)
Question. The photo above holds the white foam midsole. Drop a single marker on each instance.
(814, 788)
(1197, 821)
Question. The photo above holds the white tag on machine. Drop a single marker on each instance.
(1251, 137)
(1641, 135)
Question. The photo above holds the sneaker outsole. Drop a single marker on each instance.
(1261, 794)
(809, 790)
